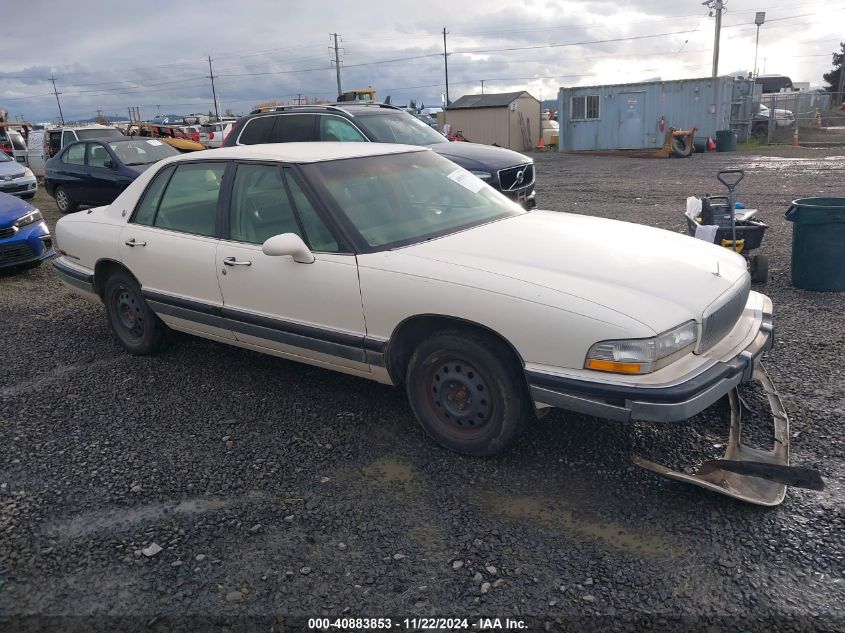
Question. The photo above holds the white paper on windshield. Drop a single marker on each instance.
(154, 142)
(467, 180)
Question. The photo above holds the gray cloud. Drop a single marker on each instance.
(155, 56)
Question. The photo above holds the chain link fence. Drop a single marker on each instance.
(796, 114)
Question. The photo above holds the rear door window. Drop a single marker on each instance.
(293, 128)
(257, 130)
(146, 211)
(189, 203)
(75, 155)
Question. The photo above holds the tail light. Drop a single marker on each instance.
(6, 146)
(210, 134)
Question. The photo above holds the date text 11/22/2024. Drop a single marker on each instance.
(415, 624)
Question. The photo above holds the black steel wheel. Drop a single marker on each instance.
(759, 268)
(467, 393)
(63, 201)
(134, 324)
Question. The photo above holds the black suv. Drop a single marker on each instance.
(509, 172)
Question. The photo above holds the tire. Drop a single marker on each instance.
(681, 147)
(467, 393)
(64, 202)
(759, 266)
(134, 324)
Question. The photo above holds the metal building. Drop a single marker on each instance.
(510, 119)
(637, 115)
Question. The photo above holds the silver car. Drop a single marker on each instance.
(15, 178)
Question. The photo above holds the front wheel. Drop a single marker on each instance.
(64, 201)
(467, 392)
(134, 324)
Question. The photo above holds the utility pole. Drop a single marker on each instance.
(482, 86)
(213, 92)
(717, 6)
(337, 65)
(299, 98)
(446, 65)
(57, 93)
(758, 20)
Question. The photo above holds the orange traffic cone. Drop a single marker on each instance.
(541, 144)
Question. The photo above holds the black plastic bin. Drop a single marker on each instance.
(818, 243)
(725, 141)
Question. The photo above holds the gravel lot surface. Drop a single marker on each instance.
(222, 483)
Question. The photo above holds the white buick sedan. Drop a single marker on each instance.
(391, 263)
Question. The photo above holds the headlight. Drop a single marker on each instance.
(28, 173)
(642, 355)
(29, 218)
(485, 176)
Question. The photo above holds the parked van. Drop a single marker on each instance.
(35, 152)
(57, 138)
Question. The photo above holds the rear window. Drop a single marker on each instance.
(17, 141)
(84, 135)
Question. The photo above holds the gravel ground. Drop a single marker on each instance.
(221, 484)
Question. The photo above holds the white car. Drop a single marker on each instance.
(213, 134)
(392, 263)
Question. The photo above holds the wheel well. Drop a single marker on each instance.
(103, 269)
(414, 330)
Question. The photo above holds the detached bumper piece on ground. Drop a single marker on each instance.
(746, 473)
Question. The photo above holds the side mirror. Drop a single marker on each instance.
(288, 244)
(108, 164)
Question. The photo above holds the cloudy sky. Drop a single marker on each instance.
(153, 54)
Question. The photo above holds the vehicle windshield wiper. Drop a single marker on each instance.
(134, 164)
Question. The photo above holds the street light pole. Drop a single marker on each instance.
(758, 20)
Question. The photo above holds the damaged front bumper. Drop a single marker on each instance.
(750, 474)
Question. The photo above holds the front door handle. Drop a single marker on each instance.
(232, 261)
(131, 242)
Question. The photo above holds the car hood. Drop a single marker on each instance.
(12, 208)
(12, 169)
(478, 156)
(656, 277)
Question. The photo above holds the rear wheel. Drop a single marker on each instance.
(467, 393)
(134, 324)
(64, 201)
(759, 268)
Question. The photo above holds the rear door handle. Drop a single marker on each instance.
(232, 261)
(131, 242)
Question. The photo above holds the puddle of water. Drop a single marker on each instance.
(391, 469)
(549, 513)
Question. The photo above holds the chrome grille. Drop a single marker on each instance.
(514, 178)
(723, 316)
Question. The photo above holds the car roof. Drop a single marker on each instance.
(302, 152)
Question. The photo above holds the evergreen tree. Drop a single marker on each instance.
(832, 78)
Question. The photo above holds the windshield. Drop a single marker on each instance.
(142, 151)
(85, 135)
(401, 199)
(4, 158)
(399, 127)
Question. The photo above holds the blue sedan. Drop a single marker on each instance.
(25, 240)
(95, 172)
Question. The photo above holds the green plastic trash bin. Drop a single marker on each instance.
(818, 243)
(725, 141)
